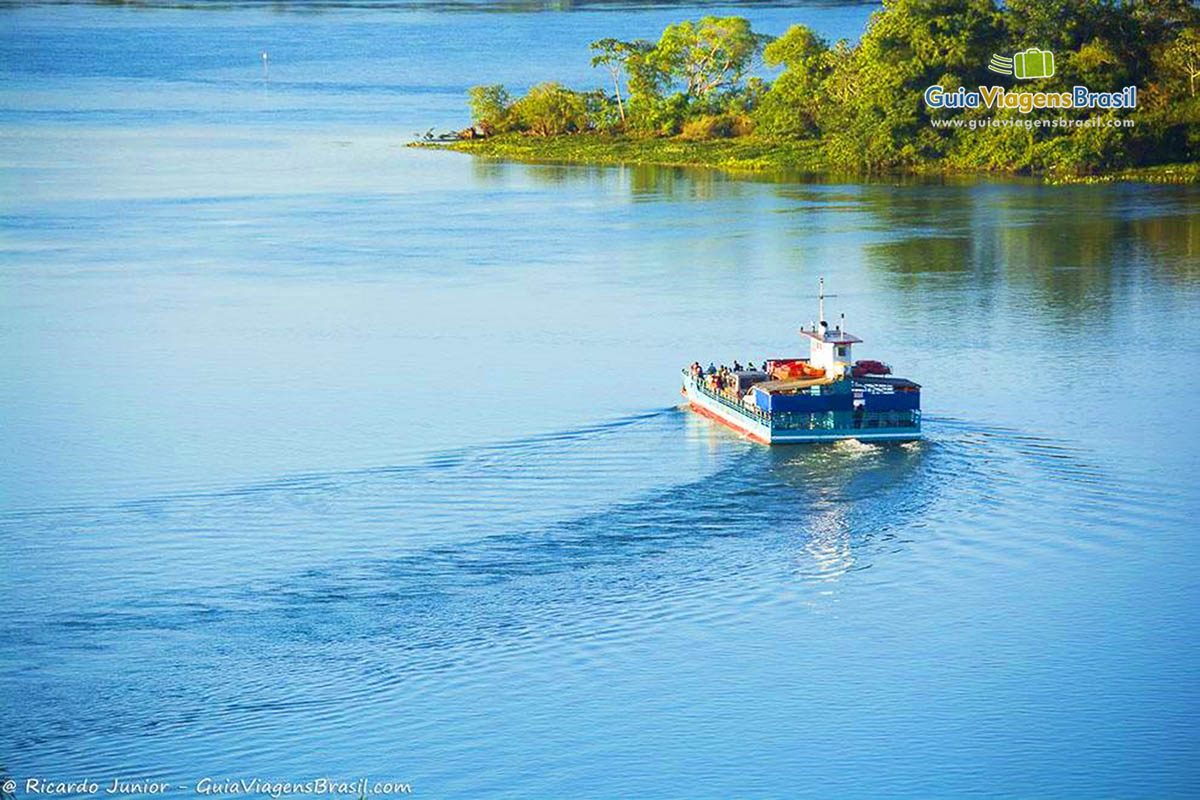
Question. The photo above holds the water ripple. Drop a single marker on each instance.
(365, 581)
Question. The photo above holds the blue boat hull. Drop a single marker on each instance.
(767, 428)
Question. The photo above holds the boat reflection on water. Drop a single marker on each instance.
(830, 500)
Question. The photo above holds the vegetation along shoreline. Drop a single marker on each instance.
(843, 109)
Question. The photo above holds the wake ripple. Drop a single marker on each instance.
(360, 582)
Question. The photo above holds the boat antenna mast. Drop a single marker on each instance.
(821, 303)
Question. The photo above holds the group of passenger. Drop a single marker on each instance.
(720, 379)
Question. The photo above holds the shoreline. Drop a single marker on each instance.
(756, 154)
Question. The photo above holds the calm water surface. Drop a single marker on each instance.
(326, 456)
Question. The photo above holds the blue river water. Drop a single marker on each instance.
(325, 456)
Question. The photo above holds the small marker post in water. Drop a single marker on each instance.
(264, 59)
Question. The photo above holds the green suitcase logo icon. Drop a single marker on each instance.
(1033, 63)
(1030, 64)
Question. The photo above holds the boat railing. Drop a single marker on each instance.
(751, 411)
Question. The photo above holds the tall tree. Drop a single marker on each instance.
(714, 53)
(609, 55)
(1183, 56)
(790, 107)
(618, 56)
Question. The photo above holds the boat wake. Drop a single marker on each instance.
(358, 581)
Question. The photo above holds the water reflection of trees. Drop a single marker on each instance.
(1068, 253)
(642, 181)
(1075, 250)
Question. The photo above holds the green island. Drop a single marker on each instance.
(691, 98)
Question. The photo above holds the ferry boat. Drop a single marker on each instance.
(824, 397)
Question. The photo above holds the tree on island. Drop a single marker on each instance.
(791, 108)
(617, 57)
(550, 109)
(490, 108)
(711, 54)
(1183, 57)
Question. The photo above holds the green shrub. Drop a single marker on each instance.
(550, 109)
(603, 112)
(657, 116)
(491, 108)
(717, 126)
(708, 127)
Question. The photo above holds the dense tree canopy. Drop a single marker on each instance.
(792, 106)
(711, 54)
(863, 103)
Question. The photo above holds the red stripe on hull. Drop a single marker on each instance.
(748, 434)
